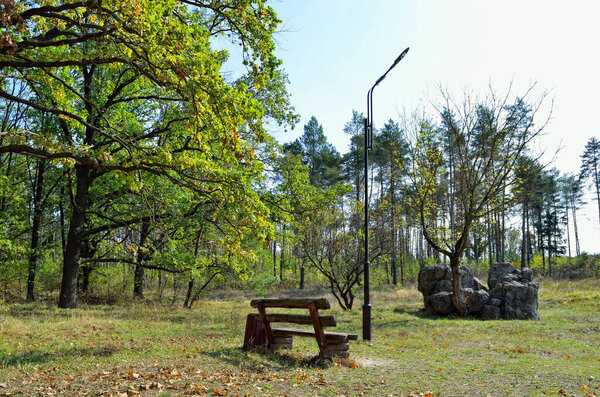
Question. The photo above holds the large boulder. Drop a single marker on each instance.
(442, 286)
(511, 295)
(441, 302)
(515, 290)
(490, 312)
(467, 279)
(501, 272)
(429, 280)
(435, 283)
(474, 300)
(520, 300)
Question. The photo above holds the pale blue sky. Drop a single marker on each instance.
(334, 50)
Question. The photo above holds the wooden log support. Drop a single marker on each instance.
(255, 332)
(338, 347)
(282, 342)
(340, 354)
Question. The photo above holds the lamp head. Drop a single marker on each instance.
(400, 56)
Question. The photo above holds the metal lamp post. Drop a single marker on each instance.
(368, 148)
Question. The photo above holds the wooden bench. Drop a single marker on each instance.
(331, 344)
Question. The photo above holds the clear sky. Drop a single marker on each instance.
(334, 50)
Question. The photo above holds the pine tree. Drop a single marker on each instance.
(590, 166)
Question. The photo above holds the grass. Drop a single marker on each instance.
(154, 350)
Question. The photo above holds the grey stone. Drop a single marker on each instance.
(527, 274)
(502, 272)
(511, 293)
(428, 280)
(467, 279)
(490, 312)
(441, 302)
(428, 288)
(439, 271)
(448, 275)
(429, 274)
(495, 302)
(497, 292)
(443, 286)
(474, 300)
(480, 285)
(520, 300)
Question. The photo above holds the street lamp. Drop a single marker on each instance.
(368, 148)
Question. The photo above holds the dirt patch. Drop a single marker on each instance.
(374, 362)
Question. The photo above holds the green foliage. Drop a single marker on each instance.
(111, 284)
(48, 276)
(145, 127)
(263, 283)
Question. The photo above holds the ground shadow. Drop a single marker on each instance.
(426, 314)
(41, 357)
(420, 313)
(269, 359)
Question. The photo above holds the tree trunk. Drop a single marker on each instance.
(86, 270)
(456, 285)
(188, 295)
(393, 231)
(302, 276)
(35, 229)
(282, 257)
(502, 238)
(489, 235)
(138, 275)
(88, 250)
(63, 238)
(597, 183)
(523, 234)
(80, 204)
(573, 210)
(568, 228)
(68, 288)
(529, 247)
(274, 259)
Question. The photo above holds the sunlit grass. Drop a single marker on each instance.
(151, 349)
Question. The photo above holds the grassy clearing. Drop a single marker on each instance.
(153, 350)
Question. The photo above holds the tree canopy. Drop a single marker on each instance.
(136, 95)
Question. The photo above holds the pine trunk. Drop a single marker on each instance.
(573, 210)
(523, 234)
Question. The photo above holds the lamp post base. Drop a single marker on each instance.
(366, 321)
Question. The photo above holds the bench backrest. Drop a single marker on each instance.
(292, 303)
